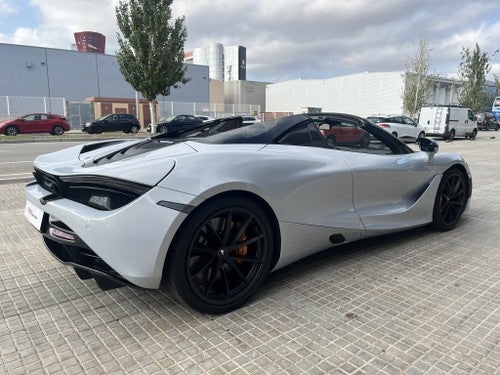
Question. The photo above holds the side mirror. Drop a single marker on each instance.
(428, 145)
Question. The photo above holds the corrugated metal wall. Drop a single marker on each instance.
(362, 94)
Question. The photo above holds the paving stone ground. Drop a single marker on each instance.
(417, 302)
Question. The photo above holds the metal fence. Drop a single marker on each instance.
(16, 106)
(80, 112)
(214, 110)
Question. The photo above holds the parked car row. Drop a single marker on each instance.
(486, 121)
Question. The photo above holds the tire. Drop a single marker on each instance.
(215, 268)
(451, 135)
(451, 199)
(365, 141)
(97, 130)
(395, 134)
(331, 141)
(11, 130)
(57, 130)
(473, 135)
(419, 137)
(162, 129)
(134, 129)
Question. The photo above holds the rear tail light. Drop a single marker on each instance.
(384, 125)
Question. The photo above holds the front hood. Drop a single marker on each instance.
(5, 122)
(116, 159)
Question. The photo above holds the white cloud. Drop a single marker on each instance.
(297, 38)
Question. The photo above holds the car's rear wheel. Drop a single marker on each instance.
(162, 129)
(365, 141)
(331, 141)
(134, 129)
(57, 130)
(451, 199)
(11, 130)
(221, 255)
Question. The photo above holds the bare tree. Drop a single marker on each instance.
(416, 78)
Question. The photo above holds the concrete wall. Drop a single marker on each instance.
(245, 92)
(47, 72)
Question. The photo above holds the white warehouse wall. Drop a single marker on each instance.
(362, 94)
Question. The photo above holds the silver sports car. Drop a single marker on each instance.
(210, 217)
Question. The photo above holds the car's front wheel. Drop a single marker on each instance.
(11, 130)
(221, 255)
(451, 199)
(162, 129)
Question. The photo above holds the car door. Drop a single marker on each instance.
(410, 127)
(391, 190)
(45, 123)
(113, 123)
(28, 124)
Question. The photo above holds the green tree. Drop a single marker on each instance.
(151, 50)
(416, 78)
(472, 71)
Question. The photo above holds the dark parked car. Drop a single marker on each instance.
(486, 121)
(205, 129)
(176, 124)
(116, 122)
(36, 123)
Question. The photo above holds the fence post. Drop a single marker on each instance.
(194, 108)
(8, 106)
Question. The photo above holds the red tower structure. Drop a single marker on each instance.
(90, 41)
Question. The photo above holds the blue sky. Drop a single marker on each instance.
(14, 14)
(287, 39)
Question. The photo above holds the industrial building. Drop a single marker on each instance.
(224, 63)
(363, 94)
(48, 72)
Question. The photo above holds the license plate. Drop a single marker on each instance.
(34, 215)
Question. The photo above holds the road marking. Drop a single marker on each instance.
(16, 162)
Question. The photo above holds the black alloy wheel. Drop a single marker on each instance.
(222, 255)
(451, 199)
(134, 129)
(11, 130)
(162, 129)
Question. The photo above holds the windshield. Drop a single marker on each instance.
(377, 120)
(167, 119)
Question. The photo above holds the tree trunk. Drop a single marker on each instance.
(152, 116)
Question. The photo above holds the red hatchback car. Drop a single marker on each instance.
(36, 123)
(344, 133)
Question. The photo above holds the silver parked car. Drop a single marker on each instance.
(399, 126)
(209, 217)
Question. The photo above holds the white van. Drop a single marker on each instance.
(448, 121)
